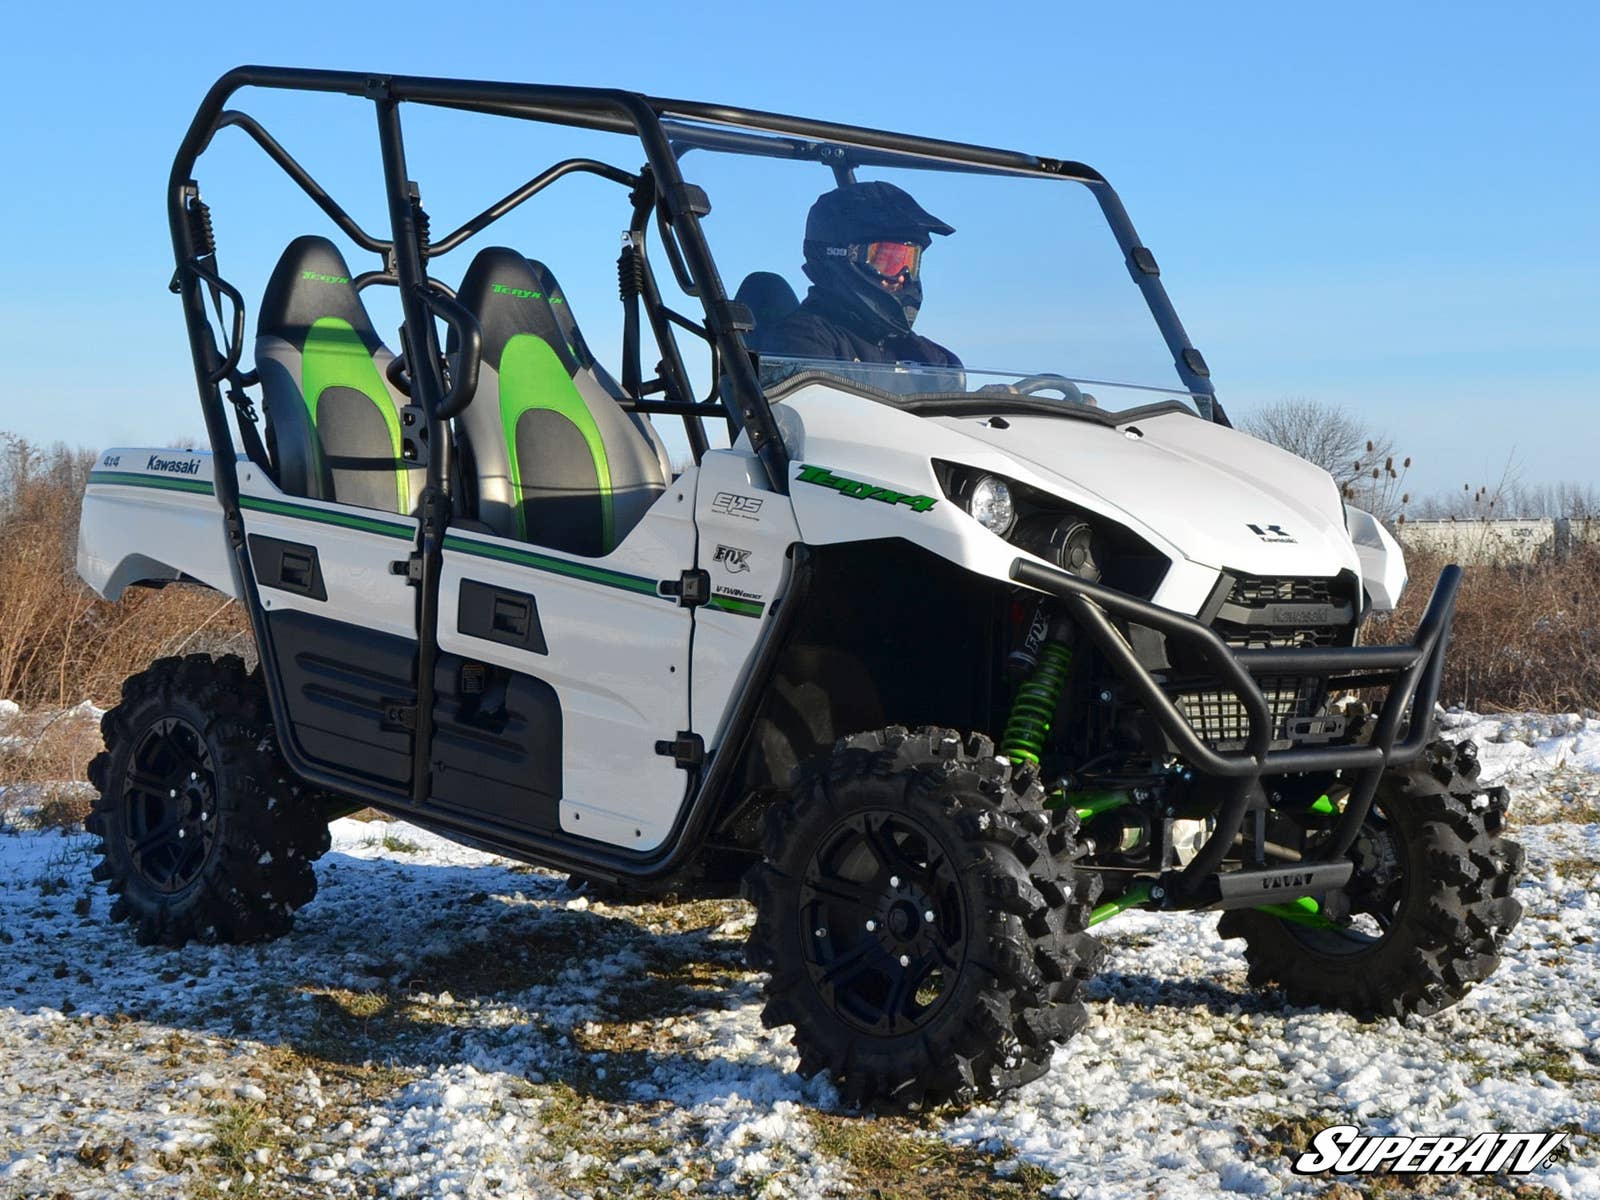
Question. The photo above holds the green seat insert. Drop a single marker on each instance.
(554, 459)
(333, 421)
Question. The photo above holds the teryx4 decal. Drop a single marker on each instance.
(1271, 533)
(854, 488)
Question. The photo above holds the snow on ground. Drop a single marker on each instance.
(445, 1023)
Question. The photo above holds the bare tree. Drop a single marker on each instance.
(1361, 462)
(1320, 433)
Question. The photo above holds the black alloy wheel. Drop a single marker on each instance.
(169, 794)
(886, 920)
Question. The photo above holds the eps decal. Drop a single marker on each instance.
(858, 490)
(736, 505)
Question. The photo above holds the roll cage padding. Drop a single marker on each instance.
(333, 420)
(555, 458)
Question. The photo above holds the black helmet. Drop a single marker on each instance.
(842, 223)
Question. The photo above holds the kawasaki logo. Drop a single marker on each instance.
(173, 466)
(858, 490)
(501, 289)
(319, 277)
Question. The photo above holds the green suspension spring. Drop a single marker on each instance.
(1035, 704)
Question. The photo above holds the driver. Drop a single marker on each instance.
(863, 247)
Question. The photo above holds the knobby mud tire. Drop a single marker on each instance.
(1455, 911)
(261, 827)
(1023, 951)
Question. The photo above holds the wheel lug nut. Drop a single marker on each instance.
(194, 775)
(928, 916)
(894, 881)
(822, 933)
(905, 960)
(871, 925)
(173, 793)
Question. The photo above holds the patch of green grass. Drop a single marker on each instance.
(895, 1158)
(395, 844)
(238, 1132)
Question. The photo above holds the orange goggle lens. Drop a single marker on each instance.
(890, 259)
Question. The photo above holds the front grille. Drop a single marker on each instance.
(1256, 590)
(1265, 612)
(1220, 720)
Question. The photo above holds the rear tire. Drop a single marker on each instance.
(1433, 885)
(203, 831)
(921, 919)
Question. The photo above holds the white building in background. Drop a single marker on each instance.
(1515, 540)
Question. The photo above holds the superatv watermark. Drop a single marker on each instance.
(858, 490)
(1345, 1150)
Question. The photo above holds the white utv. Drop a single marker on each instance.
(943, 666)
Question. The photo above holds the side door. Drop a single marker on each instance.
(558, 677)
(342, 625)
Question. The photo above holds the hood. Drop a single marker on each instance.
(1219, 497)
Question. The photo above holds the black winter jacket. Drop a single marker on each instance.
(824, 328)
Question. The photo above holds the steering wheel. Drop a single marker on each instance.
(1030, 384)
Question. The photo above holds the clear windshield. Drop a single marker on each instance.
(1031, 284)
(780, 375)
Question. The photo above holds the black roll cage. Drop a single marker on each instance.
(666, 129)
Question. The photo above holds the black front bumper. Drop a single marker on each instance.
(1411, 673)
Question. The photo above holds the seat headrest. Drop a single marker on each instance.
(312, 282)
(512, 295)
(769, 298)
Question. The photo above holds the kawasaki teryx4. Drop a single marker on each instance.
(943, 665)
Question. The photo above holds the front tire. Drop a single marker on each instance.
(921, 920)
(1430, 902)
(203, 831)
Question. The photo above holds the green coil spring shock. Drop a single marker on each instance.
(1034, 706)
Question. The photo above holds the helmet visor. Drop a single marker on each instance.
(894, 260)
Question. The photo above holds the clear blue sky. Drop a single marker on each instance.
(1390, 207)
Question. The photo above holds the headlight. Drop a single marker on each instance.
(1090, 545)
(991, 505)
(1068, 542)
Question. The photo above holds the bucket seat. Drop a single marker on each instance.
(333, 419)
(555, 458)
(770, 299)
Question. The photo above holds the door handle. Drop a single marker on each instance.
(511, 616)
(295, 571)
(500, 615)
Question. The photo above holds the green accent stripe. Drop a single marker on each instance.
(744, 608)
(167, 483)
(556, 566)
(404, 533)
(335, 356)
(323, 516)
(532, 379)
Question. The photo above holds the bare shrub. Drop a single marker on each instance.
(61, 644)
(1526, 636)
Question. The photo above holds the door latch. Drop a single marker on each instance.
(687, 750)
(692, 588)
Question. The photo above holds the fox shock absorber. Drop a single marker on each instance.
(1033, 707)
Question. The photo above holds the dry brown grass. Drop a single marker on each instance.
(60, 644)
(1525, 636)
